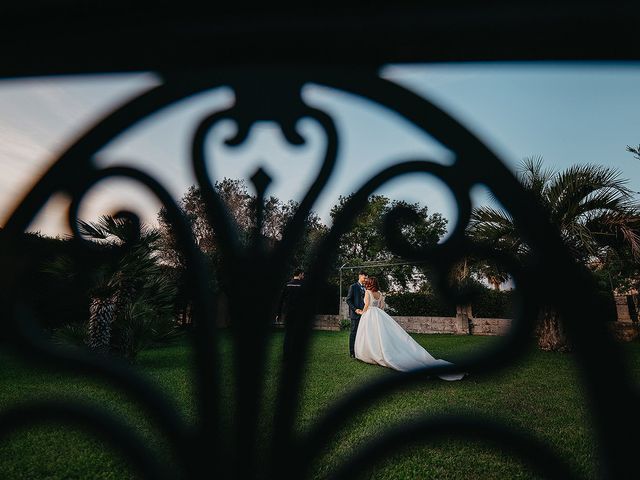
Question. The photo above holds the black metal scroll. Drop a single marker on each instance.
(207, 448)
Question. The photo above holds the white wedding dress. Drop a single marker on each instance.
(380, 340)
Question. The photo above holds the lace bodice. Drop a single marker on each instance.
(373, 302)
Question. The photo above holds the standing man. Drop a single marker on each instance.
(355, 300)
(289, 306)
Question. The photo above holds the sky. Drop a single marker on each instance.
(566, 113)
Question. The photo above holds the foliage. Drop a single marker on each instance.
(134, 295)
(54, 303)
(485, 303)
(595, 213)
(74, 334)
(418, 304)
(345, 324)
(148, 319)
(365, 241)
(635, 151)
(591, 205)
(493, 304)
(136, 326)
(618, 271)
(241, 207)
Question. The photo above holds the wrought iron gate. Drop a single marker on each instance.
(267, 92)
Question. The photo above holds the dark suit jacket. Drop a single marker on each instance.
(355, 300)
(289, 298)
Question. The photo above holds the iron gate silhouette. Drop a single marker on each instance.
(267, 92)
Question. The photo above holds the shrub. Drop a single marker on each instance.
(485, 303)
(140, 324)
(148, 319)
(420, 304)
(72, 334)
(493, 304)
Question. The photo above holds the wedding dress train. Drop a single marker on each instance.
(380, 340)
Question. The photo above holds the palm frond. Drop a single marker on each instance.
(592, 206)
(534, 177)
(71, 335)
(570, 189)
(496, 228)
(117, 229)
(634, 150)
(485, 220)
(62, 267)
(92, 230)
(580, 241)
(618, 228)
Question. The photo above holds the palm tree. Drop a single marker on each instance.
(494, 274)
(123, 285)
(593, 209)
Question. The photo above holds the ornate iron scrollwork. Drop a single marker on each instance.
(206, 448)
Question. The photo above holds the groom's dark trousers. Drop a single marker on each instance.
(355, 300)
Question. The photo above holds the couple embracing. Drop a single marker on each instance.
(377, 338)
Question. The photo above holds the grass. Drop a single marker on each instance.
(540, 395)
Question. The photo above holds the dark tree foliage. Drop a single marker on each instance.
(130, 295)
(484, 302)
(365, 241)
(242, 207)
(53, 302)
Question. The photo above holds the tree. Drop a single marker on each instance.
(125, 283)
(474, 267)
(594, 211)
(242, 208)
(314, 231)
(54, 303)
(365, 241)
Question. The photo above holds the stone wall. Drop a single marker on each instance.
(415, 324)
(626, 328)
(462, 324)
(490, 326)
(458, 325)
(327, 322)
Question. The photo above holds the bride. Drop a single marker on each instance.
(380, 340)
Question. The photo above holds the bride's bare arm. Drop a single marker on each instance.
(366, 301)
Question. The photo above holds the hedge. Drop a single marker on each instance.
(493, 304)
(485, 303)
(419, 304)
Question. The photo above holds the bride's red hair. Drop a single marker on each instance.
(372, 284)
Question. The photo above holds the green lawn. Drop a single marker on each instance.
(541, 395)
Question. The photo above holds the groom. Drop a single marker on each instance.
(355, 300)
